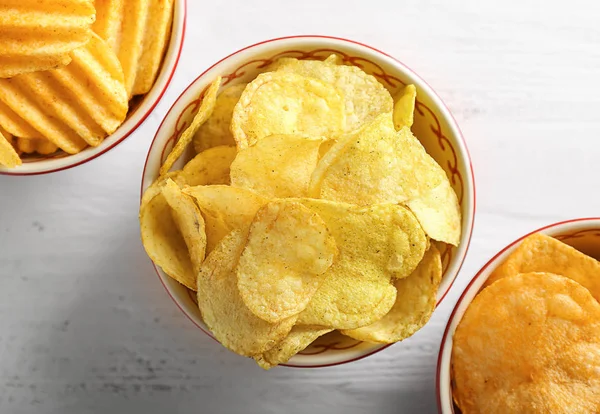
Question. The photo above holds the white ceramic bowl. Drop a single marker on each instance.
(583, 234)
(434, 126)
(61, 161)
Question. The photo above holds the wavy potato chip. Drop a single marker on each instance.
(8, 156)
(529, 343)
(217, 129)
(223, 309)
(375, 243)
(289, 249)
(14, 124)
(210, 167)
(277, 165)
(286, 103)
(39, 145)
(404, 107)
(415, 302)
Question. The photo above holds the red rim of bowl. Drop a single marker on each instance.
(460, 136)
(134, 128)
(468, 288)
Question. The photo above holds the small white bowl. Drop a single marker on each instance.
(582, 234)
(59, 161)
(434, 126)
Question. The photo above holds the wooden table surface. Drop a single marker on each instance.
(86, 327)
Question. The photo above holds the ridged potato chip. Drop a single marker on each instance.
(415, 302)
(14, 124)
(404, 107)
(287, 103)
(210, 167)
(375, 244)
(223, 309)
(528, 343)
(217, 129)
(37, 36)
(39, 145)
(8, 156)
(277, 165)
(289, 249)
(541, 253)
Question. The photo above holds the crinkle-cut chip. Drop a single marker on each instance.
(297, 340)
(217, 129)
(39, 145)
(210, 167)
(76, 105)
(204, 111)
(223, 309)
(289, 249)
(286, 103)
(225, 209)
(364, 97)
(375, 244)
(189, 221)
(8, 156)
(541, 253)
(39, 35)
(404, 107)
(528, 343)
(14, 124)
(415, 302)
(277, 165)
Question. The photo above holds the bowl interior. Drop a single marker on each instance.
(433, 125)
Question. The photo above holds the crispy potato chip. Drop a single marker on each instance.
(157, 186)
(404, 107)
(365, 98)
(529, 343)
(217, 129)
(38, 36)
(225, 209)
(39, 145)
(204, 111)
(375, 244)
(8, 156)
(414, 305)
(277, 165)
(297, 340)
(14, 124)
(541, 253)
(283, 264)
(210, 167)
(286, 103)
(222, 307)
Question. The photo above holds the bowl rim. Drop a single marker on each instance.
(444, 342)
(134, 127)
(469, 185)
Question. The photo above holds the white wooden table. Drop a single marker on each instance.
(85, 325)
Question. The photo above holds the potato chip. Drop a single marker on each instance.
(297, 340)
(8, 156)
(375, 244)
(37, 35)
(156, 187)
(210, 167)
(283, 264)
(39, 145)
(204, 111)
(365, 98)
(14, 124)
(541, 253)
(415, 302)
(277, 165)
(217, 129)
(286, 103)
(222, 307)
(404, 107)
(529, 343)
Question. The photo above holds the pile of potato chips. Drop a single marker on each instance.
(530, 341)
(309, 207)
(68, 69)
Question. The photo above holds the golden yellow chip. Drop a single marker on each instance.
(283, 264)
(414, 305)
(217, 129)
(210, 167)
(223, 309)
(529, 343)
(375, 244)
(206, 108)
(365, 98)
(541, 253)
(8, 156)
(277, 165)
(157, 186)
(39, 145)
(404, 107)
(286, 103)
(14, 124)
(40, 35)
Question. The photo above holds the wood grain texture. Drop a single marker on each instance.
(87, 328)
